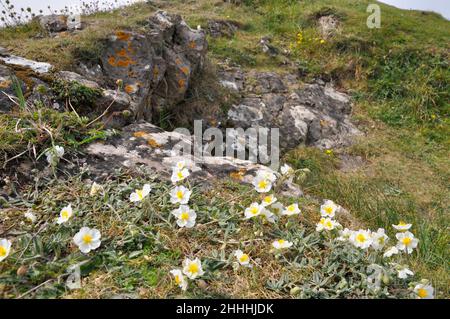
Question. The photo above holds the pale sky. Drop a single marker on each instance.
(440, 6)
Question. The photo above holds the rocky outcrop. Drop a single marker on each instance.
(328, 25)
(156, 65)
(312, 114)
(40, 68)
(147, 147)
(55, 23)
(222, 28)
(138, 73)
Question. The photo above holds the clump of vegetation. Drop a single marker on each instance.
(79, 96)
(142, 234)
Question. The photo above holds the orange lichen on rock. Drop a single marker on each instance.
(192, 45)
(155, 71)
(181, 83)
(238, 175)
(130, 89)
(125, 63)
(139, 134)
(122, 53)
(112, 61)
(185, 70)
(123, 36)
(151, 142)
(5, 84)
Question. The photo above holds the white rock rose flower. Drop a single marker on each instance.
(379, 239)
(281, 244)
(179, 174)
(180, 195)
(139, 194)
(328, 209)
(253, 210)
(243, 259)
(291, 210)
(179, 279)
(5, 248)
(361, 239)
(185, 216)
(87, 239)
(192, 268)
(424, 291)
(65, 214)
(406, 242)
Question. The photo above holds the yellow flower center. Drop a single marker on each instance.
(254, 210)
(139, 192)
(406, 241)
(177, 279)
(422, 293)
(267, 199)
(281, 241)
(2, 251)
(381, 240)
(329, 224)
(184, 216)
(180, 195)
(244, 258)
(291, 208)
(193, 268)
(361, 238)
(65, 214)
(328, 210)
(180, 175)
(87, 239)
(262, 184)
(402, 223)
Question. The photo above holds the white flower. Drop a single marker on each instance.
(87, 239)
(180, 195)
(402, 226)
(268, 200)
(379, 239)
(291, 210)
(424, 291)
(277, 208)
(390, 252)
(328, 209)
(185, 216)
(326, 224)
(404, 272)
(262, 184)
(5, 248)
(30, 217)
(179, 165)
(286, 169)
(139, 194)
(179, 279)
(344, 235)
(179, 175)
(281, 243)
(253, 211)
(242, 258)
(361, 238)
(268, 175)
(54, 154)
(192, 268)
(406, 242)
(95, 189)
(65, 214)
(268, 215)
